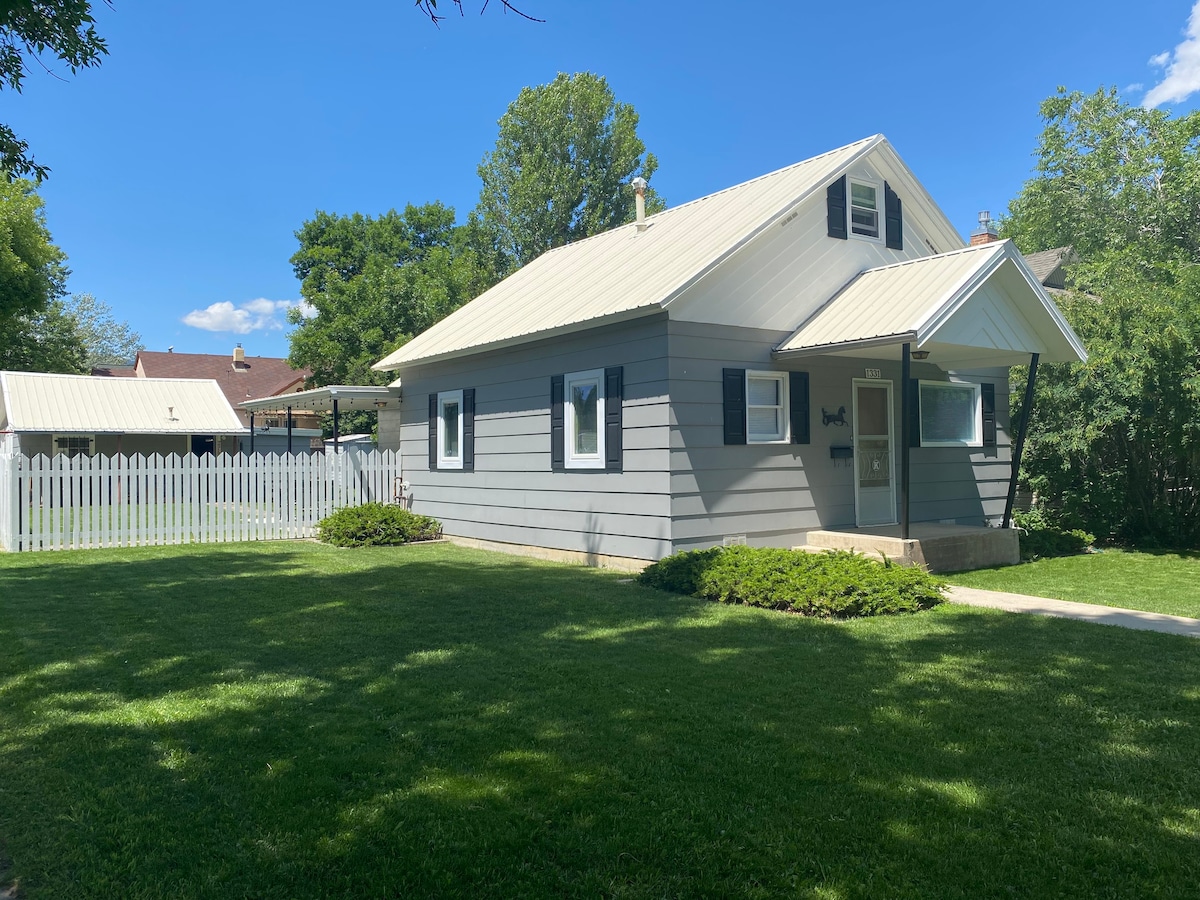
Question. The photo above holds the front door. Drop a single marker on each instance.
(874, 491)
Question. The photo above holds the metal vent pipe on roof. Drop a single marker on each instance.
(639, 190)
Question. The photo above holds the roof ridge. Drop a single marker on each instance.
(650, 219)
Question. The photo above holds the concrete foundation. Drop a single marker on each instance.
(936, 548)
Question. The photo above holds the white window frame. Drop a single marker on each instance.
(781, 436)
(54, 439)
(571, 459)
(977, 399)
(443, 461)
(879, 210)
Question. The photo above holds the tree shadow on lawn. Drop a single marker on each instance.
(297, 721)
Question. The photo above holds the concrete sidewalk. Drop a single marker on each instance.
(1066, 609)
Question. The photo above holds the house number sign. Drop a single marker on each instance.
(873, 373)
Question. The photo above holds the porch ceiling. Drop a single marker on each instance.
(973, 308)
(348, 397)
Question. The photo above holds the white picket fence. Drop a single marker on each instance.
(55, 503)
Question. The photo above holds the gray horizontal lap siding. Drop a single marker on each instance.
(775, 493)
(512, 496)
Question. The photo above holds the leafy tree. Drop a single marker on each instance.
(1115, 442)
(32, 272)
(44, 341)
(561, 167)
(29, 30)
(376, 282)
(106, 341)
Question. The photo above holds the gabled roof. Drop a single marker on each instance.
(625, 272)
(980, 306)
(259, 376)
(1047, 266)
(41, 403)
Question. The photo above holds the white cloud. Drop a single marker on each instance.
(260, 314)
(1183, 67)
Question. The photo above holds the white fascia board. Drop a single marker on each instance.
(1047, 301)
(887, 340)
(937, 316)
(817, 185)
(1006, 251)
(927, 208)
(521, 339)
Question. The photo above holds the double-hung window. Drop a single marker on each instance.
(766, 406)
(864, 208)
(951, 414)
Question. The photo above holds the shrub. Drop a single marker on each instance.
(837, 584)
(1042, 538)
(376, 524)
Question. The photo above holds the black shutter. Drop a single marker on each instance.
(893, 220)
(798, 403)
(613, 388)
(468, 430)
(558, 425)
(433, 417)
(735, 405)
(835, 200)
(914, 413)
(987, 394)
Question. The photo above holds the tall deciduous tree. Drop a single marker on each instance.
(32, 272)
(106, 341)
(375, 282)
(30, 31)
(1115, 441)
(561, 167)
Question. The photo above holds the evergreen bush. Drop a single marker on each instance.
(837, 584)
(376, 524)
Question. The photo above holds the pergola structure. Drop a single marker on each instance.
(335, 398)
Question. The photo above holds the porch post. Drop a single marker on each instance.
(251, 432)
(289, 409)
(905, 438)
(1026, 410)
(335, 425)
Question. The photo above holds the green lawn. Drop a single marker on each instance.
(1159, 582)
(289, 720)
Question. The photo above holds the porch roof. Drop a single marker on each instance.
(971, 308)
(348, 397)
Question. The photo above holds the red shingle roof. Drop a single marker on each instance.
(258, 376)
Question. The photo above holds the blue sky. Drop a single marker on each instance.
(182, 167)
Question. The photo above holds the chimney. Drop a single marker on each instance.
(986, 232)
(239, 357)
(639, 190)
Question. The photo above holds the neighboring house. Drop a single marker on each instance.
(81, 415)
(240, 378)
(730, 370)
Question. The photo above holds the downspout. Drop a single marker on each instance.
(289, 410)
(905, 437)
(251, 432)
(1026, 410)
(335, 426)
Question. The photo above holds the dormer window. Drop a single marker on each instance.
(864, 209)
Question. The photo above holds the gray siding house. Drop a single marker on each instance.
(730, 370)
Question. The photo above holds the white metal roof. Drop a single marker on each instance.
(41, 403)
(978, 305)
(348, 396)
(623, 273)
